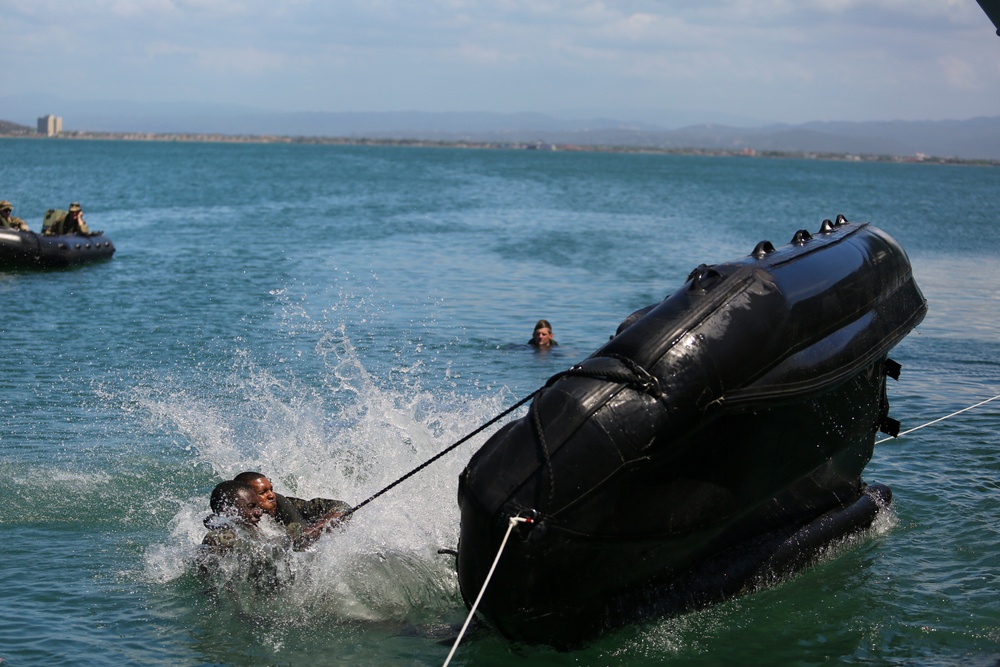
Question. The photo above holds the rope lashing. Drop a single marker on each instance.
(934, 421)
(544, 446)
(640, 379)
(514, 520)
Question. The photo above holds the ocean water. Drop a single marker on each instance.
(335, 316)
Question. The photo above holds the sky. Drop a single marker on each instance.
(788, 61)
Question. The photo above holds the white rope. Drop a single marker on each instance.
(472, 611)
(934, 421)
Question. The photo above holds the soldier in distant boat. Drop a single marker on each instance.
(72, 224)
(8, 221)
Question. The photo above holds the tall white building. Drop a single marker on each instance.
(49, 125)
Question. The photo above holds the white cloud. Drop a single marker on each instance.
(959, 74)
(221, 60)
(780, 57)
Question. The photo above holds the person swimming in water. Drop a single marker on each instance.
(306, 520)
(235, 549)
(236, 512)
(541, 337)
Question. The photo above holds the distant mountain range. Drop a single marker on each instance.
(972, 139)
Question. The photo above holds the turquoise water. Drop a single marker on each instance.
(334, 316)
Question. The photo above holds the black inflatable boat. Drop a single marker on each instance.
(717, 440)
(29, 250)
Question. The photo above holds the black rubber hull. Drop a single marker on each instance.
(29, 250)
(765, 389)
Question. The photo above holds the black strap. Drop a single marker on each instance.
(637, 377)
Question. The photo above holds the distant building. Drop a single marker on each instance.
(49, 125)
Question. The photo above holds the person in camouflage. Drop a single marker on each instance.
(236, 510)
(72, 224)
(8, 221)
(305, 520)
(236, 549)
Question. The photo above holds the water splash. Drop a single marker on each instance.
(339, 433)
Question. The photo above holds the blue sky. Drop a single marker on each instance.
(769, 60)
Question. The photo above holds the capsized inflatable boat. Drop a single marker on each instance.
(29, 250)
(717, 440)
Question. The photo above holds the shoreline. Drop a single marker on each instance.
(185, 137)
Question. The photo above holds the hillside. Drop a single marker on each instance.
(972, 139)
(9, 129)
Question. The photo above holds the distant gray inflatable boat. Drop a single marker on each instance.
(30, 250)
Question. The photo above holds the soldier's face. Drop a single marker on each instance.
(248, 507)
(543, 336)
(265, 494)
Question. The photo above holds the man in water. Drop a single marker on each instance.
(305, 520)
(236, 511)
(236, 550)
(542, 338)
(8, 221)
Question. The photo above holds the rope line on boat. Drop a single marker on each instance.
(442, 453)
(934, 421)
(514, 520)
(639, 378)
(544, 445)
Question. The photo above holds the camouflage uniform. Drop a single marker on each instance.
(67, 226)
(291, 510)
(296, 514)
(234, 551)
(8, 221)
(292, 515)
(226, 533)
